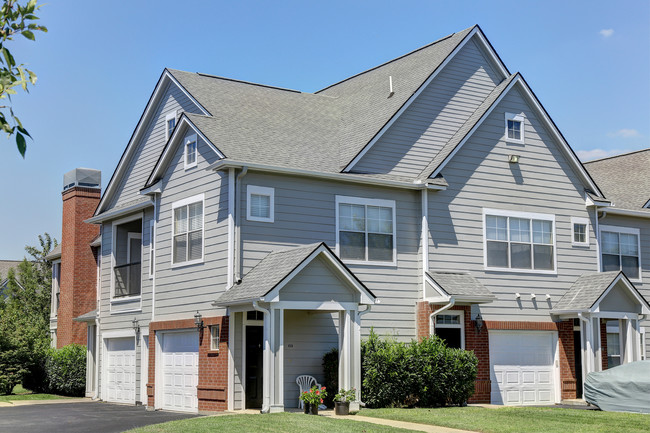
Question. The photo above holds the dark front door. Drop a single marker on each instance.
(254, 359)
(577, 353)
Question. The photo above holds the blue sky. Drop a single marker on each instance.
(588, 62)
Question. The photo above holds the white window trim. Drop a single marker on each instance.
(260, 190)
(517, 118)
(585, 221)
(129, 236)
(216, 327)
(124, 299)
(152, 248)
(517, 214)
(461, 326)
(184, 202)
(367, 202)
(172, 115)
(189, 139)
(627, 230)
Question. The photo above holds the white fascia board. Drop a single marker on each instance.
(341, 177)
(156, 188)
(115, 213)
(436, 287)
(645, 307)
(627, 212)
(149, 111)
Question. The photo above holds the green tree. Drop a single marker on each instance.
(15, 19)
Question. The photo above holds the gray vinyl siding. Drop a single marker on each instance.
(150, 145)
(432, 119)
(317, 283)
(182, 290)
(308, 336)
(644, 285)
(305, 212)
(543, 182)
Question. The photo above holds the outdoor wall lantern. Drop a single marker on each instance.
(136, 325)
(198, 321)
(478, 323)
(513, 159)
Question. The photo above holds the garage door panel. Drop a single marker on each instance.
(180, 371)
(120, 369)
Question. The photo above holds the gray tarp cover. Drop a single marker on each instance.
(625, 388)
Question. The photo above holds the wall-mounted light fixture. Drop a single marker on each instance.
(517, 295)
(198, 321)
(513, 159)
(478, 323)
(136, 325)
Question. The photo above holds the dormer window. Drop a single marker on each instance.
(190, 151)
(514, 128)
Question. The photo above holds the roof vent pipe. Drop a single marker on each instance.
(390, 86)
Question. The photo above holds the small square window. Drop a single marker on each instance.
(214, 337)
(514, 128)
(260, 203)
(170, 124)
(580, 232)
(190, 151)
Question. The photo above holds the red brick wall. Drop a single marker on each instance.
(603, 343)
(212, 390)
(479, 343)
(78, 264)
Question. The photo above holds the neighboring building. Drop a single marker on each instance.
(5, 266)
(248, 229)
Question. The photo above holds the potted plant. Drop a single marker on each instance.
(342, 401)
(312, 398)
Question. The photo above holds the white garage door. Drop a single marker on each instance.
(120, 377)
(522, 367)
(180, 371)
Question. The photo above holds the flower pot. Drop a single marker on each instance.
(342, 407)
(306, 407)
(313, 409)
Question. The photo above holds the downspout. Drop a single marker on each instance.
(231, 228)
(152, 239)
(99, 309)
(238, 254)
(425, 239)
(597, 233)
(266, 363)
(451, 303)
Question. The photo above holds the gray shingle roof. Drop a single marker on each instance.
(5, 265)
(585, 291)
(87, 317)
(460, 284)
(54, 254)
(624, 179)
(270, 271)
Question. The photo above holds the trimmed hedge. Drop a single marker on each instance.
(65, 369)
(424, 373)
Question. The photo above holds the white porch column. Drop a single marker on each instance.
(345, 332)
(277, 365)
(356, 360)
(267, 363)
(627, 332)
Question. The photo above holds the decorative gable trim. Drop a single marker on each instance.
(165, 79)
(645, 307)
(486, 47)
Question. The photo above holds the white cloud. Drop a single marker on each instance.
(626, 133)
(605, 33)
(588, 155)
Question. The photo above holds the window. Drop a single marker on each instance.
(152, 248)
(580, 232)
(187, 234)
(170, 124)
(214, 337)
(260, 203)
(190, 151)
(365, 229)
(449, 327)
(613, 344)
(518, 240)
(56, 288)
(620, 250)
(514, 128)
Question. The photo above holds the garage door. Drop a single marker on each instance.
(522, 367)
(180, 371)
(120, 378)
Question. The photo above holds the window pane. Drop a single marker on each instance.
(196, 216)
(380, 247)
(497, 254)
(450, 335)
(542, 232)
(380, 219)
(180, 248)
(613, 344)
(514, 129)
(519, 230)
(630, 266)
(191, 152)
(629, 244)
(448, 319)
(611, 263)
(610, 243)
(352, 217)
(260, 206)
(580, 233)
(170, 126)
(520, 256)
(180, 220)
(496, 228)
(353, 245)
(543, 257)
(196, 245)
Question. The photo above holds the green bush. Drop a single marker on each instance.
(423, 373)
(12, 366)
(66, 370)
(331, 370)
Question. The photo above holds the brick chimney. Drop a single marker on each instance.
(78, 290)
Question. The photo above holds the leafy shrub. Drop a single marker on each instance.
(331, 370)
(12, 366)
(66, 370)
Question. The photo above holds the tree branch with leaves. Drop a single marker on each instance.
(15, 19)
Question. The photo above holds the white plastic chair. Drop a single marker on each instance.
(305, 383)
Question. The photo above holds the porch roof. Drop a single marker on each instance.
(279, 267)
(87, 317)
(461, 286)
(590, 288)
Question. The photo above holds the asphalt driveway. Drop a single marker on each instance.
(95, 417)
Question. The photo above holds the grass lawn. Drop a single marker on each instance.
(20, 393)
(277, 422)
(519, 419)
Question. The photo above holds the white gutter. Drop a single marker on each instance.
(451, 303)
(627, 212)
(115, 213)
(341, 177)
(238, 224)
(266, 363)
(425, 239)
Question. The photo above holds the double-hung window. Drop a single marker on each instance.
(187, 242)
(365, 230)
(514, 128)
(190, 151)
(519, 240)
(620, 250)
